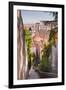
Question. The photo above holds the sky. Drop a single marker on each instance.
(36, 16)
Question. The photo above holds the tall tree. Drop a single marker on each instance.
(55, 15)
(20, 47)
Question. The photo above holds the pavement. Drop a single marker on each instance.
(33, 74)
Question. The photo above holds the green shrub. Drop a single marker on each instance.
(28, 43)
(44, 65)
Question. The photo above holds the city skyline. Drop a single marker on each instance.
(32, 16)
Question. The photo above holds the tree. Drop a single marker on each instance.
(45, 64)
(55, 15)
(20, 47)
(28, 44)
